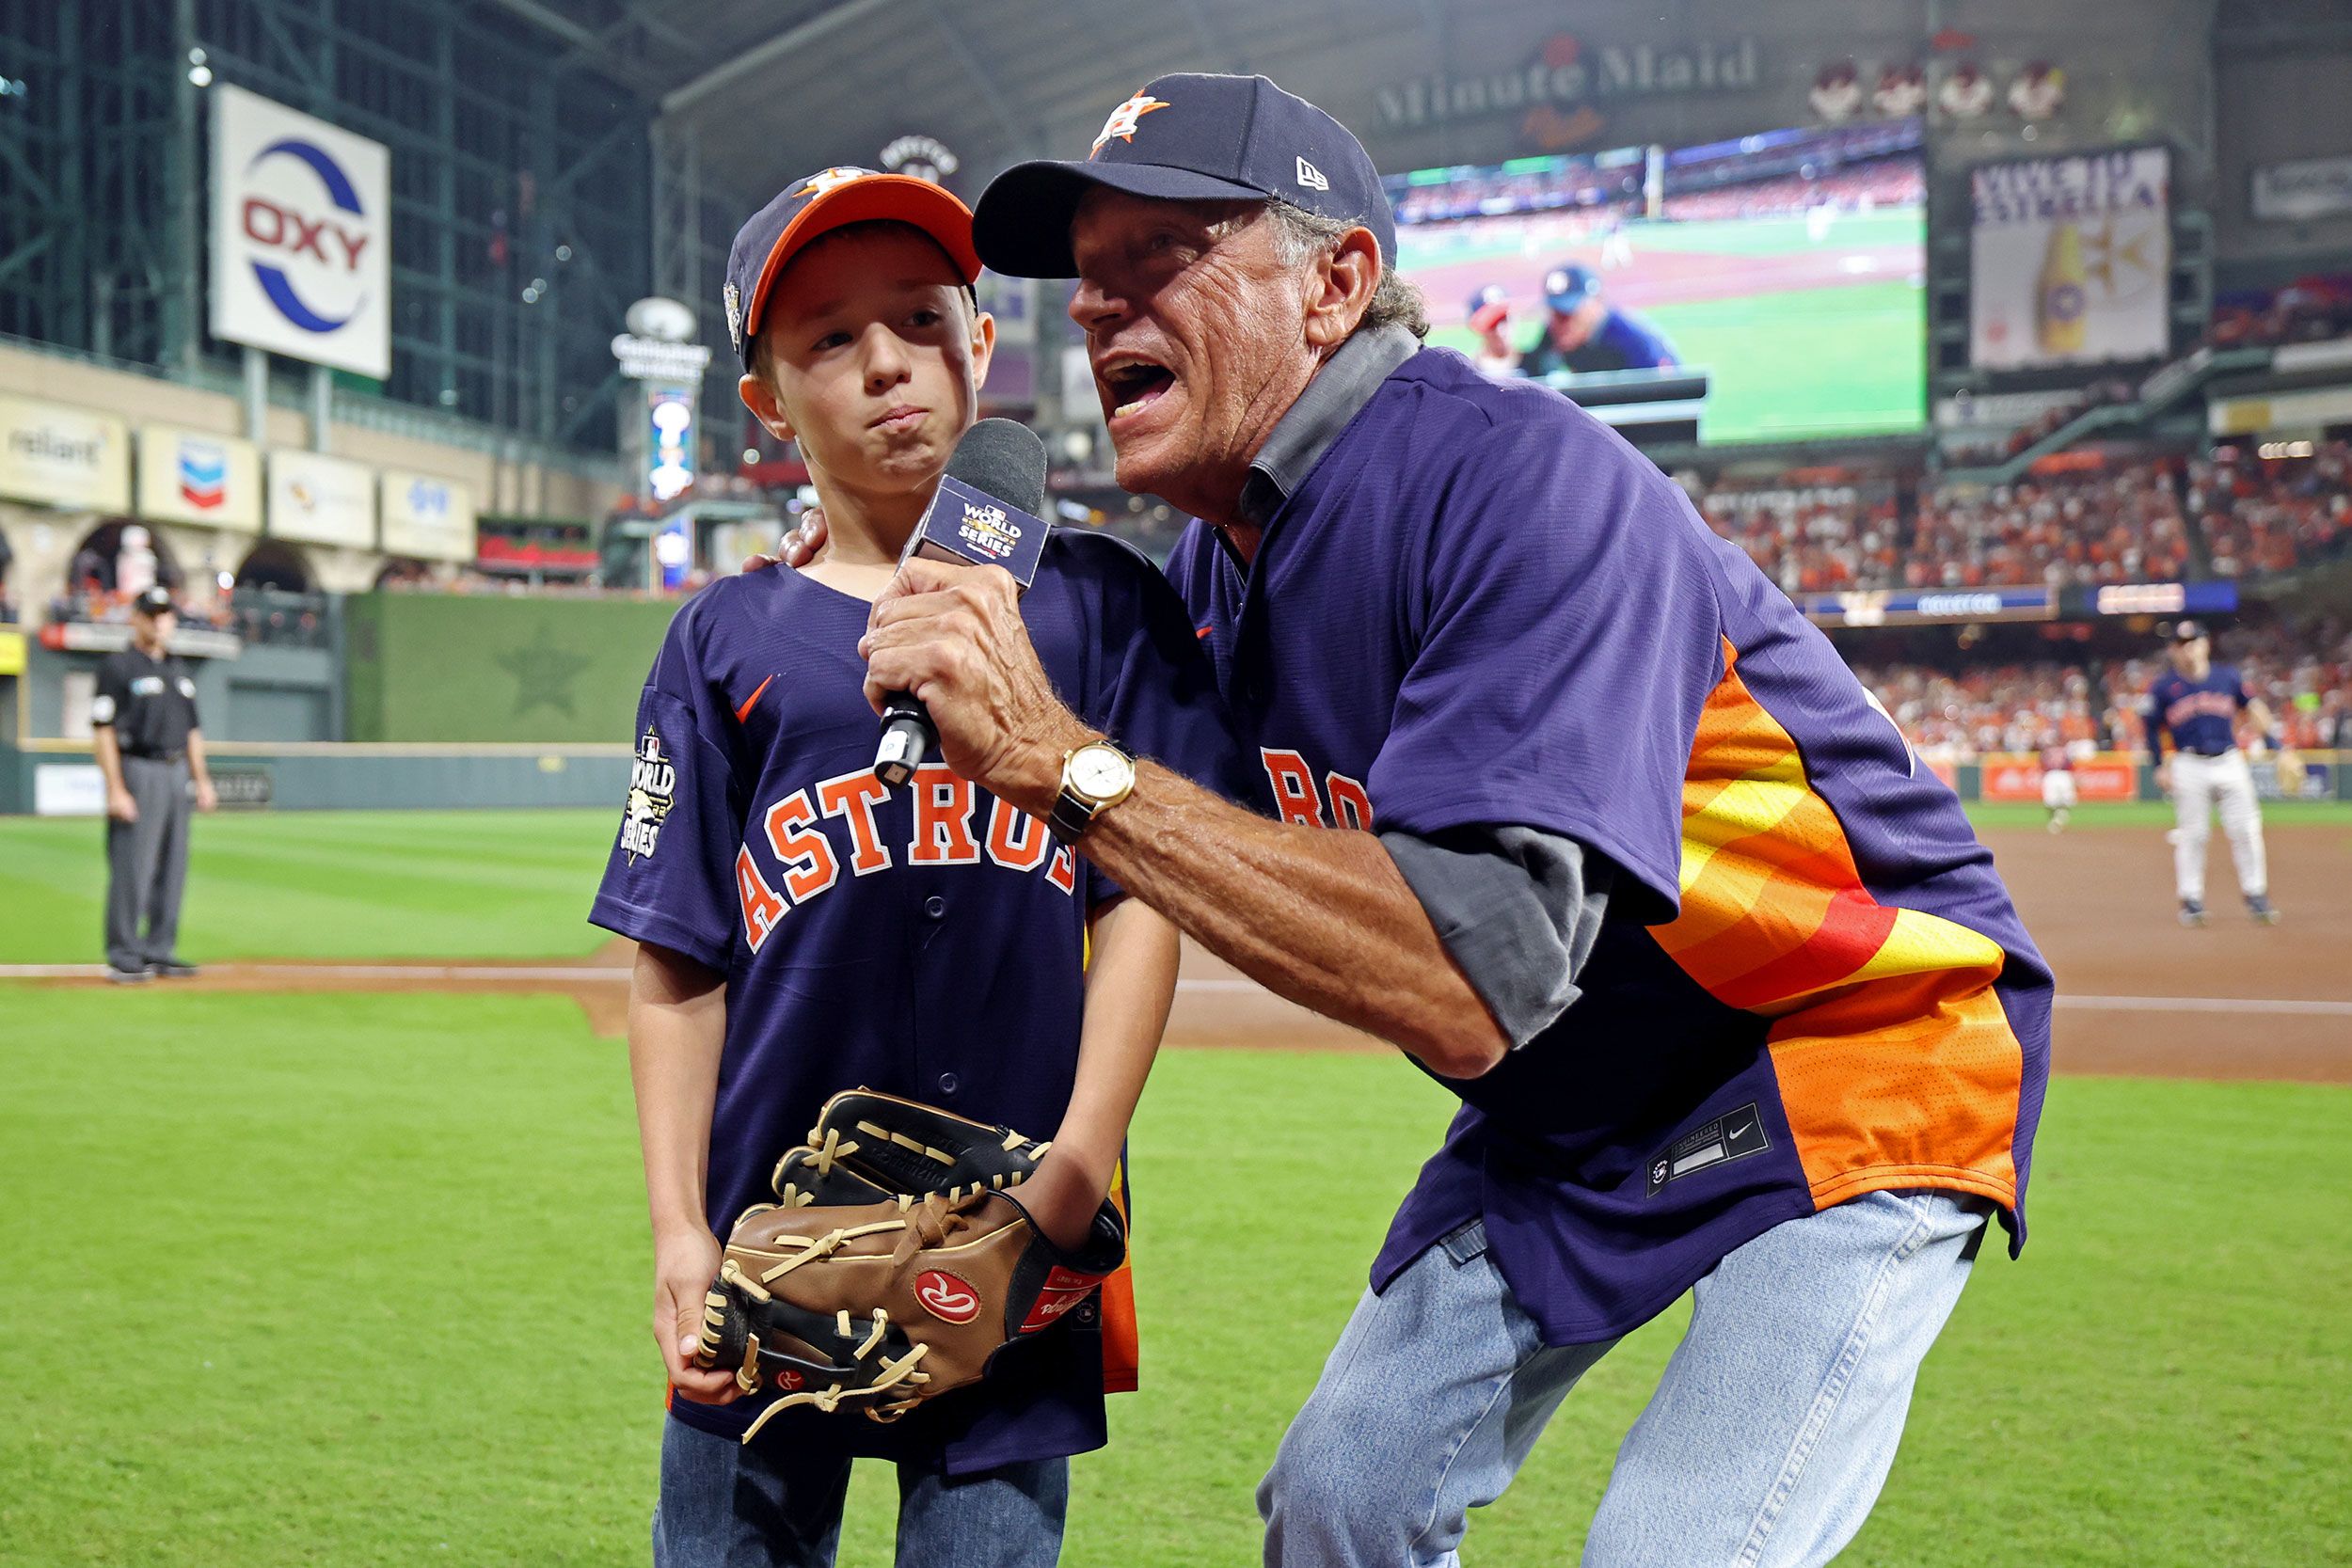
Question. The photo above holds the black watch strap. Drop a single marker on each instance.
(1070, 819)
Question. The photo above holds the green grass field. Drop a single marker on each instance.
(357, 1279)
(388, 884)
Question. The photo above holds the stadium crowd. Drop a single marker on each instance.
(2123, 524)
(1855, 187)
(1814, 539)
(2303, 672)
(2147, 521)
(2271, 514)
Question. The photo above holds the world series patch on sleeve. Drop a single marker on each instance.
(895, 1263)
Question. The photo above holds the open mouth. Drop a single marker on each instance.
(1133, 385)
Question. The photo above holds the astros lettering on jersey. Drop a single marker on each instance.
(928, 941)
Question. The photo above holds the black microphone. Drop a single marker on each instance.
(985, 514)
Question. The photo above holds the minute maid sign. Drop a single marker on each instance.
(301, 236)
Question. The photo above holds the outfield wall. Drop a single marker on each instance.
(446, 778)
(484, 670)
(61, 776)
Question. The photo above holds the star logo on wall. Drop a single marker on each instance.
(542, 674)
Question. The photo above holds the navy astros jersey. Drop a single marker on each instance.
(1481, 608)
(2200, 716)
(927, 942)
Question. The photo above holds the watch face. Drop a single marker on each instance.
(1100, 772)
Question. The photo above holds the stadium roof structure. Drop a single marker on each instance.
(771, 89)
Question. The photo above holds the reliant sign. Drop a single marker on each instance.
(69, 457)
(192, 476)
(1563, 74)
(302, 236)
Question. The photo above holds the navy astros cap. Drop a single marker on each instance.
(827, 199)
(2189, 631)
(1186, 138)
(1565, 288)
(153, 601)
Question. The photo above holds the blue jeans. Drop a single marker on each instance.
(1764, 1446)
(726, 1506)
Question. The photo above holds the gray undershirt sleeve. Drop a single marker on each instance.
(1518, 910)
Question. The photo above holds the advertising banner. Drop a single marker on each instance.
(65, 456)
(1903, 607)
(2303, 189)
(188, 476)
(69, 790)
(2071, 259)
(2017, 776)
(302, 236)
(322, 500)
(429, 518)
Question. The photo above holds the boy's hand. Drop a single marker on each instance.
(684, 1264)
(797, 549)
(1062, 1198)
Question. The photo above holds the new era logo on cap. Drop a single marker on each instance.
(1187, 137)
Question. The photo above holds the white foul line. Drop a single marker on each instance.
(2202, 1005)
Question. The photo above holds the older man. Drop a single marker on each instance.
(1730, 994)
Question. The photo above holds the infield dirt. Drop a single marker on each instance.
(2138, 994)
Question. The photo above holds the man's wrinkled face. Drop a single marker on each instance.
(1195, 325)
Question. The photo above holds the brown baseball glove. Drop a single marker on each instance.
(854, 1289)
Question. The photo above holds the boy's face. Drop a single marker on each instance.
(872, 357)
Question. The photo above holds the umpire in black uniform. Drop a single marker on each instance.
(152, 751)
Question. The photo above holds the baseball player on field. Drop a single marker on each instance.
(807, 931)
(2197, 703)
(1732, 997)
(2058, 798)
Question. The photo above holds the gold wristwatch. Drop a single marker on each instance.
(1094, 778)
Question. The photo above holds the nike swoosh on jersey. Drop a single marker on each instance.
(743, 714)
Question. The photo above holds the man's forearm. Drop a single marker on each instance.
(677, 1018)
(197, 770)
(1322, 917)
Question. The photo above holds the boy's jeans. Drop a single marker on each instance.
(727, 1506)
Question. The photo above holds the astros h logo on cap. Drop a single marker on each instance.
(1186, 137)
(1122, 122)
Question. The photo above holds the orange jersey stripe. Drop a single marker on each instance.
(1896, 1062)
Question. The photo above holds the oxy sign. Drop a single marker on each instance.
(302, 236)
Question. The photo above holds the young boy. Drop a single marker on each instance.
(804, 930)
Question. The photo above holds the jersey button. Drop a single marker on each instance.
(948, 1081)
(935, 907)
